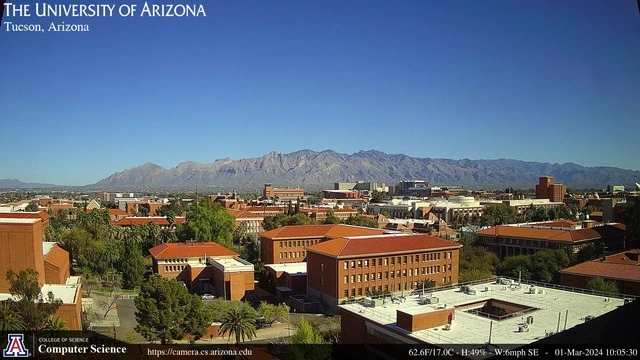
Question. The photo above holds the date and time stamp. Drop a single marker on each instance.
(544, 352)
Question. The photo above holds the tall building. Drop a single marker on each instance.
(546, 189)
(22, 247)
(354, 267)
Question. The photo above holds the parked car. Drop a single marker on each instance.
(208, 297)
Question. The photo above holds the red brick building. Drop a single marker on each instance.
(623, 268)
(345, 268)
(288, 244)
(272, 192)
(507, 240)
(204, 268)
(546, 189)
(22, 247)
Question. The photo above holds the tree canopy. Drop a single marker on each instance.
(600, 284)
(166, 311)
(32, 309)
(208, 221)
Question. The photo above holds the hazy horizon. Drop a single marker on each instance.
(550, 82)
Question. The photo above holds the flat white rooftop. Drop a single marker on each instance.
(291, 268)
(65, 292)
(468, 328)
(232, 264)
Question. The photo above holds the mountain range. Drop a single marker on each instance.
(319, 170)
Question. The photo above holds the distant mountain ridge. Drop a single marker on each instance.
(320, 169)
(17, 184)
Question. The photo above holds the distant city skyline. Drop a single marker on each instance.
(536, 81)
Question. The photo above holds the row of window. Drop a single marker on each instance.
(297, 243)
(426, 270)
(399, 260)
(174, 268)
(169, 261)
(398, 287)
(292, 254)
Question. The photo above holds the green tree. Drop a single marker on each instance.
(306, 334)
(166, 311)
(331, 218)
(307, 343)
(240, 234)
(33, 309)
(361, 220)
(131, 265)
(55, 324)
(378, 197)
(600, 284)
(272, 313)
(31, 207)
(240, 323)
(10, 319)
(476, 263)
(208, 221)
(498, 215)
(251, 250)
(219, 307)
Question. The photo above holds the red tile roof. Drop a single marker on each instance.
(605, 270)
(24, 215)
(244, 214)
(57, 256)
(116, 212)
(319, 231)
(553, 234)
(190, 250)
(381, 245)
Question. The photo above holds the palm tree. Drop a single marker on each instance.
(55, 324)
(239, 322)
(9, 318)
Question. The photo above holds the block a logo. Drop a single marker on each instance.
(15, 347)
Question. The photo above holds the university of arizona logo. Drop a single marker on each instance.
(15, 347)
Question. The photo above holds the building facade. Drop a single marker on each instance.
(526, 239)
(354, 267)
(547, 189)
(22, 247)
(289, 244)
(205, 268)
(622, 268)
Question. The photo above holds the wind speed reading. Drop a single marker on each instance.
(18, 14)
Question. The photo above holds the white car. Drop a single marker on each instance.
(208, 297)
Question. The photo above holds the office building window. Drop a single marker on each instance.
(346, 265)
(346, 279)
(346, 293)
(359, 278)
(353, 264)
(359, 263)
(366, 263)
(353, 278)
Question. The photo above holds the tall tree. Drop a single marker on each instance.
(32, 207)
(238, 322)
(33, 309)
(166, 311)
(208, 221)
(361, 220)
(131, 265)
(331, 218)
(272, 313)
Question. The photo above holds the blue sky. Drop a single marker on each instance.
(549, 81)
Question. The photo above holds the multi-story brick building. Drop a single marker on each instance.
(252, 221)
(345, 268)
(281, 193)
(288, 244)
(526, 239)
(204, 268)
(546, 189)
(22, 247)
(623, 268)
